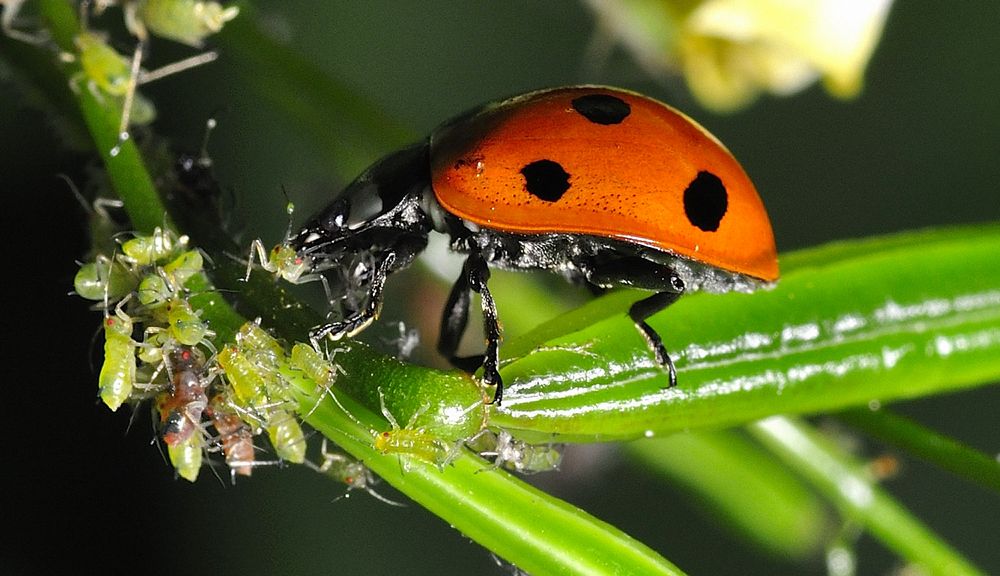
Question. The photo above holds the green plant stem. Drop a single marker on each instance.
(537, 532)
(770, 502)
(844, 481)
(126, 170)
(927, 444)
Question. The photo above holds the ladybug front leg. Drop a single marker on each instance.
(359, 320)
(475, 274)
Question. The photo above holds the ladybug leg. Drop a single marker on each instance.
(646, 275)
(642, 310)
(475, 274)
(359, 320)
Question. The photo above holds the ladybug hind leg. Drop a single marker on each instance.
(475, 274)
(642, 310)
(646, 275)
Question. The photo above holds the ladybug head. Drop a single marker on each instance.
(381, 206)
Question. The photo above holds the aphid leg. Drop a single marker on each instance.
(359, 320)
(11, 9)
(475, 275)
(133, 82)
(256, 247)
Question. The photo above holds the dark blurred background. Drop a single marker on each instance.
(920, 147)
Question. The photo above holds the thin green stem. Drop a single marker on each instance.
(539, 533)
(844, 481)
(770, 502)
(927, 444)
(126, 170)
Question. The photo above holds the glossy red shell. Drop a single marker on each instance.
(625, 179)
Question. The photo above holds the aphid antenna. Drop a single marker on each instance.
(236, 464)
(133, 82)
(290, 211)
(11, 9)
(371, 492)
(204, 160)
(145, 77)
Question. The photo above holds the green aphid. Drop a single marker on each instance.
(413, 441)
(181, 269)
(104, 279)
(153, 291)
(286, 436)
(151, 349)
(118, 371)
(104, 68)
(248, 385)
(185, 325)
(186, 21)
(314, 365)
(258, 344)
(157, 248)
(186, 457)
(515, 455)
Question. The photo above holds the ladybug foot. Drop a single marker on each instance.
(664, 360)
(492, 378)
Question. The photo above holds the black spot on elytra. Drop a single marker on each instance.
(545, 179)
(706, 201)
(602, 108)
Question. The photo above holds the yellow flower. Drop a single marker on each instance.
(732, 50)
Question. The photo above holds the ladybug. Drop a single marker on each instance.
(598, 184)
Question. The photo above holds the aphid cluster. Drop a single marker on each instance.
(157, 347)
(213, 398)
(112, 77)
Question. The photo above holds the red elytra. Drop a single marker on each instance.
(643, 173)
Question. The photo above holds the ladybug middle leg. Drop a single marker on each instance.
(646, 275)
(475, 274)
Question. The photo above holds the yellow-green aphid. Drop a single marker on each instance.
(182, 268)
(185, 325)
(248, 385)
(283, 261)
(160, 246)
(266, 354)
(118, 372)
(153, 342)
(104, 68)
(186, 21)
(186, 457)
(254, 340)
(315, 366)
(104, 278)
(286, 436)
(153, 291)
(410, 441)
